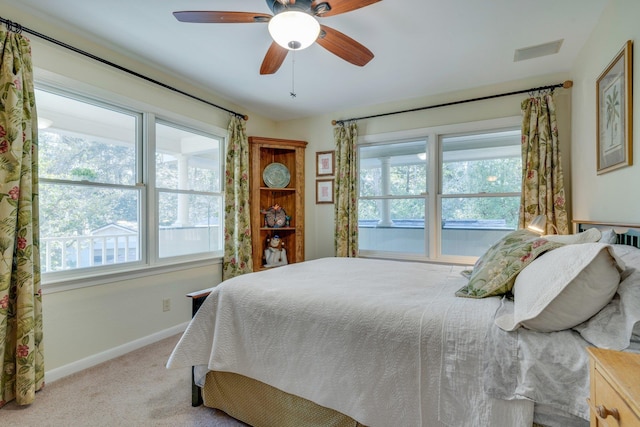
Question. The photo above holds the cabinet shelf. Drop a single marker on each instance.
(277, 228)
(277, 189)
(290, 153)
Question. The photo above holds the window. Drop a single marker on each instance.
(480, 198)
(89, 202)
(471, 193)
(189, 202)
(392, 204)
(104, 206)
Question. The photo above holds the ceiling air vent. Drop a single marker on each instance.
(537, 51)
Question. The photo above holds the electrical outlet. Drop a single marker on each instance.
(166, 304)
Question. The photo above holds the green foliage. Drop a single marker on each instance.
(84, 173)
(409, 182)
(408, 179)
(482, 176)
(73, 210)
(67, 210)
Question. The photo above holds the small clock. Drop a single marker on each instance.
(275, 217)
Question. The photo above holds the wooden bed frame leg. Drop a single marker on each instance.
(196, 393)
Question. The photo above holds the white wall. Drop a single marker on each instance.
(318, 131)
(610, 196)
(90, 325)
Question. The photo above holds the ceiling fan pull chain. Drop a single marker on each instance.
(293, 74)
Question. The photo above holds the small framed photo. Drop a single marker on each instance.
(324, 191)
(325, 163)
(614, 121)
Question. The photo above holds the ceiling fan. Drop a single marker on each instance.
(287, 15)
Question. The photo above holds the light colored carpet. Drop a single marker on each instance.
(133, 390)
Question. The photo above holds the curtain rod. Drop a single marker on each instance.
(17, 28)
(567, 84)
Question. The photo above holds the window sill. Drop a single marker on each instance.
(444, 259)
(61, 284)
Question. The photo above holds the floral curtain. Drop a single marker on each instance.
(542, 180)
(21, 350)
(237, 217)
(346, 190)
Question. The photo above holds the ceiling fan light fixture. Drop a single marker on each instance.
(294, 30)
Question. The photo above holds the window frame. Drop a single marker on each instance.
(433, 195)
(388, 199)
(150, 263)
(155, 190)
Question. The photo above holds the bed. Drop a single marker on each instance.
(363, 342)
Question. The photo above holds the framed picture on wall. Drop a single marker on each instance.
(324, 191)
(325, 163)
(614, 121)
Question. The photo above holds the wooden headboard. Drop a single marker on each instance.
(627, 234)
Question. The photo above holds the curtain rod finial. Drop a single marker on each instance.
(567, 84)
(245, 117)
(333, 122)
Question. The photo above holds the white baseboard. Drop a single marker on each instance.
(112, 353)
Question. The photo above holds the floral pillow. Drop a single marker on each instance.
(495, 272)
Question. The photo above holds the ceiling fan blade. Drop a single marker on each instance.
(344, 46)
(204, 16)
(341, 6)
(273, 59)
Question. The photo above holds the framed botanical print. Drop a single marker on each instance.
(324, 191)
(325, 163)
(614, 121)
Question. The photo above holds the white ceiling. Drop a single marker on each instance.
(421, 47)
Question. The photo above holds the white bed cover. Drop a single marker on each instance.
(385, 342)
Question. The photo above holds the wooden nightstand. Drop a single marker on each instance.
(615, 388)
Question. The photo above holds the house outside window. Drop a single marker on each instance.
(443, 194)
(116, 198)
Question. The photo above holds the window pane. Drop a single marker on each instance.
(482, 163)
(86, 142)
(186, 160)
(84, 226)
(396, 169)
(392, 225)
(471, 225)
(189, 224)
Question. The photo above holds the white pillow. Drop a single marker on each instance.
(609, 236)
(588, 236)
(563, 288)
(618, 322)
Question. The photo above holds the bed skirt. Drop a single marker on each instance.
(261, 405)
